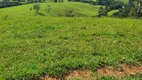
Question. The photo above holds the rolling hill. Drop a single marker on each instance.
(56, 9)
(52, 45)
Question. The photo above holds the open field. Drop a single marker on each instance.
(31, 46)
(57, 9)
(75, 48)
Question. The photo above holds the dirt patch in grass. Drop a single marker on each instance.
(48, 78)
(81, 75)
(76, 74)
(125, 70)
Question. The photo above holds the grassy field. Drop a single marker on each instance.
(31, 46)
(57, 9)
(112, 12)
(126, 1)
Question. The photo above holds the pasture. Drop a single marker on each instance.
(34, 46)
(57, 10)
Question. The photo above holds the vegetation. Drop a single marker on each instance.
(56, 10)
(9, 4)
(130, 9)
(63, 37)
(36, 7)
(31, 46)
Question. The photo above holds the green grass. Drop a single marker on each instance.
(57, 9)
(112, 12)
(33, 45)
(125, 1)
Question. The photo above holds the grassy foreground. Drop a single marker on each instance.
(31, 46)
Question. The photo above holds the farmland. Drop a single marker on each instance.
(35, 46)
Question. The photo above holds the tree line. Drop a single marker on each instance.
(8, 3)
(133, 8)
(130, 9)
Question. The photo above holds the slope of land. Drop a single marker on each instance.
(37, 47)
(56, 9)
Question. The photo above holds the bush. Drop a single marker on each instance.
(69, 13)
(5, 17)
(36, 7)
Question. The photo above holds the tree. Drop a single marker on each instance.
(102, 12)
(139, 11)
(36, 7)
(116, 5)
(124, 12)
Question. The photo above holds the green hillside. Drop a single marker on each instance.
(80, 9)
(123, 0)
(51, 44)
